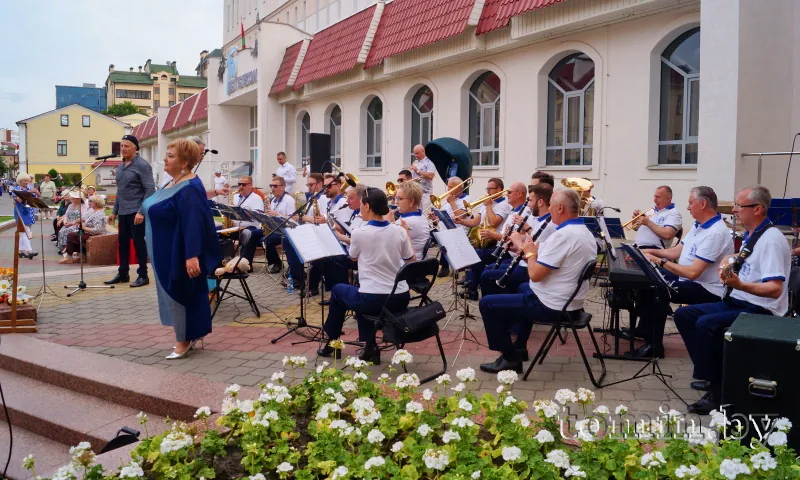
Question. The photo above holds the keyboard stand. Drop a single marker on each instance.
(617, 333)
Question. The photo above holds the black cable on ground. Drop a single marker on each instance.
(10, 433)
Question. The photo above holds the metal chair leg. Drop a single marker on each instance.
(539, 353)
(550, 344)
(595, 382)
(444, 362)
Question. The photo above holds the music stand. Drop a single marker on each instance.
(30, 200)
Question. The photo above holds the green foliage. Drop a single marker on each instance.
(338, 424)
(121, 109)
(4, 168)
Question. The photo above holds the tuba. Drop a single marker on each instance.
(583, 186)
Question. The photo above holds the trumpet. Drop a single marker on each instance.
(469, 206)
(637, 217)
(436, 202)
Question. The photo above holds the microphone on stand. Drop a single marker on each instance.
(210, 150)
(612, 208)
(106, 157)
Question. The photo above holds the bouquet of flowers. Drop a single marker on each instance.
(7, 286)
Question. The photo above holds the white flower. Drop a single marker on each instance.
(427, 394)
(364, 410)
(340, 472)
(360, 376)
(402, 356)
(78, 449)
(277, 376)
(450, 435)
(521, 419)
(559, 458)
(407, 380)
(246, 406)
(374, 462)
(511, 454)
(202, 412)
(133, 470)
(565, 396)
(718, 419)
(574, 471)
(548, 408)
(602, 410)
(228, 406)
(295, 361)
(499, 389)
(28, 462)
(776, 439)
(460, 387)
(397, 446)
(782, 424)
(466, 374)
(544, 436)
(763, 461)
(436, 459)
(443, 379)
(476, 475)
(653, 459)
(730, 469)
(356, 363)
(465, 405)
(584, 429)
(257, 476)
(414, 407)
(348, 386)
(510, 400)
(699, 435)
(621, 410)
(375, 436)
(326, 409)
(507, 377)
(339, 425)
(339, 398)
(142, 417)
(384, 378)
(320, 368)
(424, 430)
(67, 472)
(233, 390)
(285, 467)
(687, 472)
(176, 440)
(462, 422)
(585, 395)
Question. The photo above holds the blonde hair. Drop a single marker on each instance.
(98, 200)
(412, 190)
(22, 176)
(187, 151)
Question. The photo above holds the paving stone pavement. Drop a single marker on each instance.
(124, 323)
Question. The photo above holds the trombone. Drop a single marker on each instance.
(637, 217)
(391, 188)
(436, 202)
(348, 175)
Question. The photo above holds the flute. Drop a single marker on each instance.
(501, 282)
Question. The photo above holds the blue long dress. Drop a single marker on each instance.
(28, 213)
(179, 226)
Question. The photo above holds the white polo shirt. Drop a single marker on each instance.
(289, 174)
(349, 217)
(250, 202)
(459, 204)
(220, 182)
(381, 249)
(536, 225)
(770, 260)
(710, 242)
(420, 231)
(425, 165)
(285, 205)
(322, 202)
(668, 216)
(566, 251)
(334, 204)
(500, 207)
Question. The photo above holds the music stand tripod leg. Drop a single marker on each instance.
(45, 288)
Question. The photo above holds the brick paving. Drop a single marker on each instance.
(124, 323)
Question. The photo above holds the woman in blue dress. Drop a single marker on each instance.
(183, 247)
(28, 214)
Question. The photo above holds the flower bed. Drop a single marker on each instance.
(338, 424)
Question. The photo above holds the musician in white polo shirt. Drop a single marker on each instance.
(408, 213)
(658, 230)
(698, 259)
(252, 233)
(334, 269)
(281, 205)
(315, 182)
(760, 287)
(553, 270)
(287, 171)
(381, 249)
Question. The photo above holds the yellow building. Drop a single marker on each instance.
(67, 139)
(152, 86)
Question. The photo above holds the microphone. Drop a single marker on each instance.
(106, 157)
(212, 151)
(347, 179)
(613, 208)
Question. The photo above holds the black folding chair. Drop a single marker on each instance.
(221, 291)
(390, 322)
(794, 293)
(571, 320)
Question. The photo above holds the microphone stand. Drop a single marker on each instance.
(82, 284)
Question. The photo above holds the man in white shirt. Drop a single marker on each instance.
(334, 269)
(696, 280)
(287, 171)
(408, 213)
(381, 249)
(220, 183)
(423, 167)
(553, 272)
(657, 230)
(315, 183)
(760, 287)
(252, 233)
(281, 205)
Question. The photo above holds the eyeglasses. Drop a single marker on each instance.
(489, 189)
(736, 205)
(399, 198)
(309, 185)
(243, 184)
(400, 180)
(275, 186)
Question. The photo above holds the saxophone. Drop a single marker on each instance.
(315, 206)
(227, 222)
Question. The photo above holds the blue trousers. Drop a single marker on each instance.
(490, 275)
(703, 328)
(271, 243)
(501, 312)
(347, 297)
(335, 271)
(296, 269)
(474, 272)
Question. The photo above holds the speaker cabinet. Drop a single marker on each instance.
(320, 144)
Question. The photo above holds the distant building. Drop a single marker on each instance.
(152, 86)
(202, 68)
(7, 135)
(88, 96)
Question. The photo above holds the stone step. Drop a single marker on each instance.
(49, 454)
(138, 387)
(65, 416)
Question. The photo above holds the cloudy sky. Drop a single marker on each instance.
(56, 42)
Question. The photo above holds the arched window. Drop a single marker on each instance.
(335, 129)
(484, 120)
(680, 100)
(421, 118)
(305, 145)
(570, 111)
(374, 133)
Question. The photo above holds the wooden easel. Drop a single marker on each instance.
(14, 325)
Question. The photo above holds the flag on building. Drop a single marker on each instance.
(242, 24)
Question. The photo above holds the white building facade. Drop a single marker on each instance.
(631, 94)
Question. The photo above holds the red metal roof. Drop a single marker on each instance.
(184, 113)
(497, 13)
(201, 110)
(172, 116)
(409, 24)
(335, 49)
(285, 70)
(149, 128)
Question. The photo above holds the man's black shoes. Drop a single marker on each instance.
(140, 282)
(118, 279)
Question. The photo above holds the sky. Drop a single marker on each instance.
(57, 42)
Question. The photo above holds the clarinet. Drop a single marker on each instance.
(502, 246)
(501, 282)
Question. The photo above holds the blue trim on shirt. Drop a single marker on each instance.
(668, 207)
(543, 218)
(704, 259)
(409, 258)
(463, 195)
(378, 223)
(716, 218)
(760, 227)
(769, 279)
(418, 213)
(571, 221)
(672, 227)
(501, 199)
(356, 212)
(339, 197)
(546, 265)
(519, 208)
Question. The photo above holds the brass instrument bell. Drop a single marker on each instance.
(582, 186)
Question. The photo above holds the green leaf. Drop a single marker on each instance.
(409, 472)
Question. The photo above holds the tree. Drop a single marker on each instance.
(122, 109)
(3, 166)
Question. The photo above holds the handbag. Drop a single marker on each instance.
(414, 324)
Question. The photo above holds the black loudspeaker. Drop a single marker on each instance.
(320, 145)
(759, 379)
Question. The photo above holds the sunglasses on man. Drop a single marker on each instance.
(275, 186)
(243, 184)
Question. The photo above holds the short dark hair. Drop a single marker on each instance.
(282, 154)
(665, 188)
(497, 182)
(543, 191)
(544, 177)
(377, 201)
(405, 173)
(318, 178)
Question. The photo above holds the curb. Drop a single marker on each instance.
(7, 224)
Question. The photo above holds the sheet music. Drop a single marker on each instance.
(606, 237)
(312, 242)
(459, 252)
